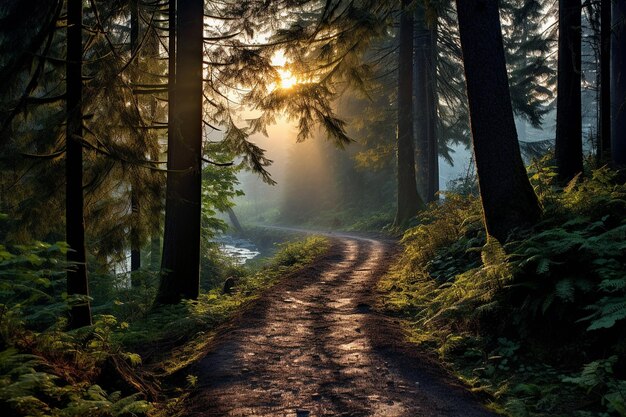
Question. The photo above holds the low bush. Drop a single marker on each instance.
(532, 320)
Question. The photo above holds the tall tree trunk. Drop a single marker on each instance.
(507, 197)
(409, 201)
(156, 212)
(77, 283)
(171, 92)
(427, 152)
(180, 267)
(618, 84)
(568, 147)
(604, 141)
(156, 209)
(135, 243)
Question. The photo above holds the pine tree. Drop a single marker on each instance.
(568, 145)
(180, 273)
(135, 242)
(527, 47)
(618, 83)
(528, 53)
(508, 199)
(77, 284)
(603, 151)
(408, 200)
(425, 106)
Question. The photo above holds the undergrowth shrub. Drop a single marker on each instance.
(376, 222)
(298, 253)
(46, 370)
(216, 267)
(557, 294)
(32, 276)
(58, 373)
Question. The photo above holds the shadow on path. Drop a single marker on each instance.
(313, 346)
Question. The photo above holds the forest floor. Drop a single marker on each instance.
(314, 345)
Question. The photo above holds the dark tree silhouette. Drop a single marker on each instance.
(425, 106)
(568, 147)
(135, 243)
(408, 200)
(507, 197)
(618, 84)
(77, 283)
(604, 142)
(181, 241)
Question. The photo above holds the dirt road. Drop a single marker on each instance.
(313, 346)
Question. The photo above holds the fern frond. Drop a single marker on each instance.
(543, 266)
(611, 285)
(610, 310)
(564, 289)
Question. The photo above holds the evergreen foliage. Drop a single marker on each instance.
(554, 294)
(530, 65)
(528, 54)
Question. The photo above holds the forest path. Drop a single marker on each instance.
(313, 346)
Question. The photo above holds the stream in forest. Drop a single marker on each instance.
(241, 250)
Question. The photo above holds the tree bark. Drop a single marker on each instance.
(135, 243)
(409, 201)
(156, 207)
(508, 199)
(77, 282)
(604, 141)
(427, 152)
(618, 84)
(180, 266)
(568, 147)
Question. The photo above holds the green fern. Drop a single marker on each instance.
(558, 282)
(613, 285)
(565, 289)
(593, 374)
(28, 389)
(608, 311)
(598, 377)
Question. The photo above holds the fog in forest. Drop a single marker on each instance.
(320, 185)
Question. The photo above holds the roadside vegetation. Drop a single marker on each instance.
(538, 323)
(129, 361)
(130, 129)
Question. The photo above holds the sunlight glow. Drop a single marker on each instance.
(287, 79)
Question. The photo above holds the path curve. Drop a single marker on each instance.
(313, 346)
